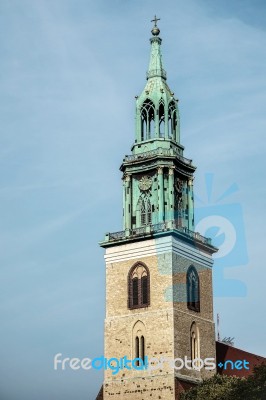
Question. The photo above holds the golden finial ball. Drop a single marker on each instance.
(155, 31)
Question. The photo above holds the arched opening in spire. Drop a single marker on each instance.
(161, 119)
(172, 122)
(147, 120)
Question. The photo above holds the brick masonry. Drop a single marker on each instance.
(165, 323)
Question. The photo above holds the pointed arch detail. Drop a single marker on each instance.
(194, 341)
(147, 114)
(172, 120)
(139, 339)
(193, 289)
(138, 286)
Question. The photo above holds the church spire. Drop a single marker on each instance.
(156, 65)
(157, 178)
(157, 116)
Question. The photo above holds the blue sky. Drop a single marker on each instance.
(69, 73)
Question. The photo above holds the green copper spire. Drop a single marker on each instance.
(157, 179)
(156, 65)
(157, 116)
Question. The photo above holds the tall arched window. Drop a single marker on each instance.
(193, 289)
(194, 342)
(139, 341)
(161, 119)
(145, 211)
(172, 121)
(138, 286)
(147, 120)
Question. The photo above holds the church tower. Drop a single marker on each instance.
(159, 300)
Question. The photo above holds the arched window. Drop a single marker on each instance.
(172, 120)
(138, 286)
(139, 341)
(161, 119)
(145, 211)
(147, 120)
(194, 342)
(193, 289)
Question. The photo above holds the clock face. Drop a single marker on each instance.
(145, 183)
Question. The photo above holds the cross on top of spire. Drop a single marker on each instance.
(155, 30)
(155, 20)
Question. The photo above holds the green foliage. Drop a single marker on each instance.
(218, 387)
(254, 387)
(222, 387)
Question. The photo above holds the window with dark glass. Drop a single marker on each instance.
(138, 286)
(140, 349)
(135, 290)
(193, 289)
(144, 289)
(137, 347)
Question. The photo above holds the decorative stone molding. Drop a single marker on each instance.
(171, 170)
